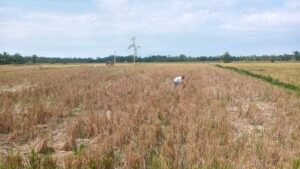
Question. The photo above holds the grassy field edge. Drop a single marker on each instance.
(292, 87)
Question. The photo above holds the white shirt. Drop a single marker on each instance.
(178, 79)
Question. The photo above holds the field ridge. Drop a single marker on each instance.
(268, 79)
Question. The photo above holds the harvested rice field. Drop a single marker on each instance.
(126, 116)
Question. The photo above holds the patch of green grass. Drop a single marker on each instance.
(296, 164)
(79, 150)
(37, 161)
(34, 160)
(152, 158)
(268, 79)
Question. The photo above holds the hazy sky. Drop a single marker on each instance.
(95, 28)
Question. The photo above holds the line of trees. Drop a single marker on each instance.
(6, 58)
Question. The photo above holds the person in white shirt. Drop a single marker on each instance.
(178, 80)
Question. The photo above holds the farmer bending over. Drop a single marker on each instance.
(178, 80)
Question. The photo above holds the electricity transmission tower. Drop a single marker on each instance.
(135, 48)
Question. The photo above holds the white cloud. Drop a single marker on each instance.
(125, 17)
(155, 18)
(21, 24)
(292, 4)
(272, 21)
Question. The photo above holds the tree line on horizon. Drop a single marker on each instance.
(6, 58)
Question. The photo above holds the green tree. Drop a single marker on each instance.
(182, 57)
(18, 59)
(4, 58)
(226, 58)
(34, 59)
(296, 55)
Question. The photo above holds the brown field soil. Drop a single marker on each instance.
(284, 71)
(125, 116)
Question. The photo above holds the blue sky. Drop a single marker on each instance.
(95, 28)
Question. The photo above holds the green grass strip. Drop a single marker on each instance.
(268, 79)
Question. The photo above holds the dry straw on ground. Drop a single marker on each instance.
(132, 117)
